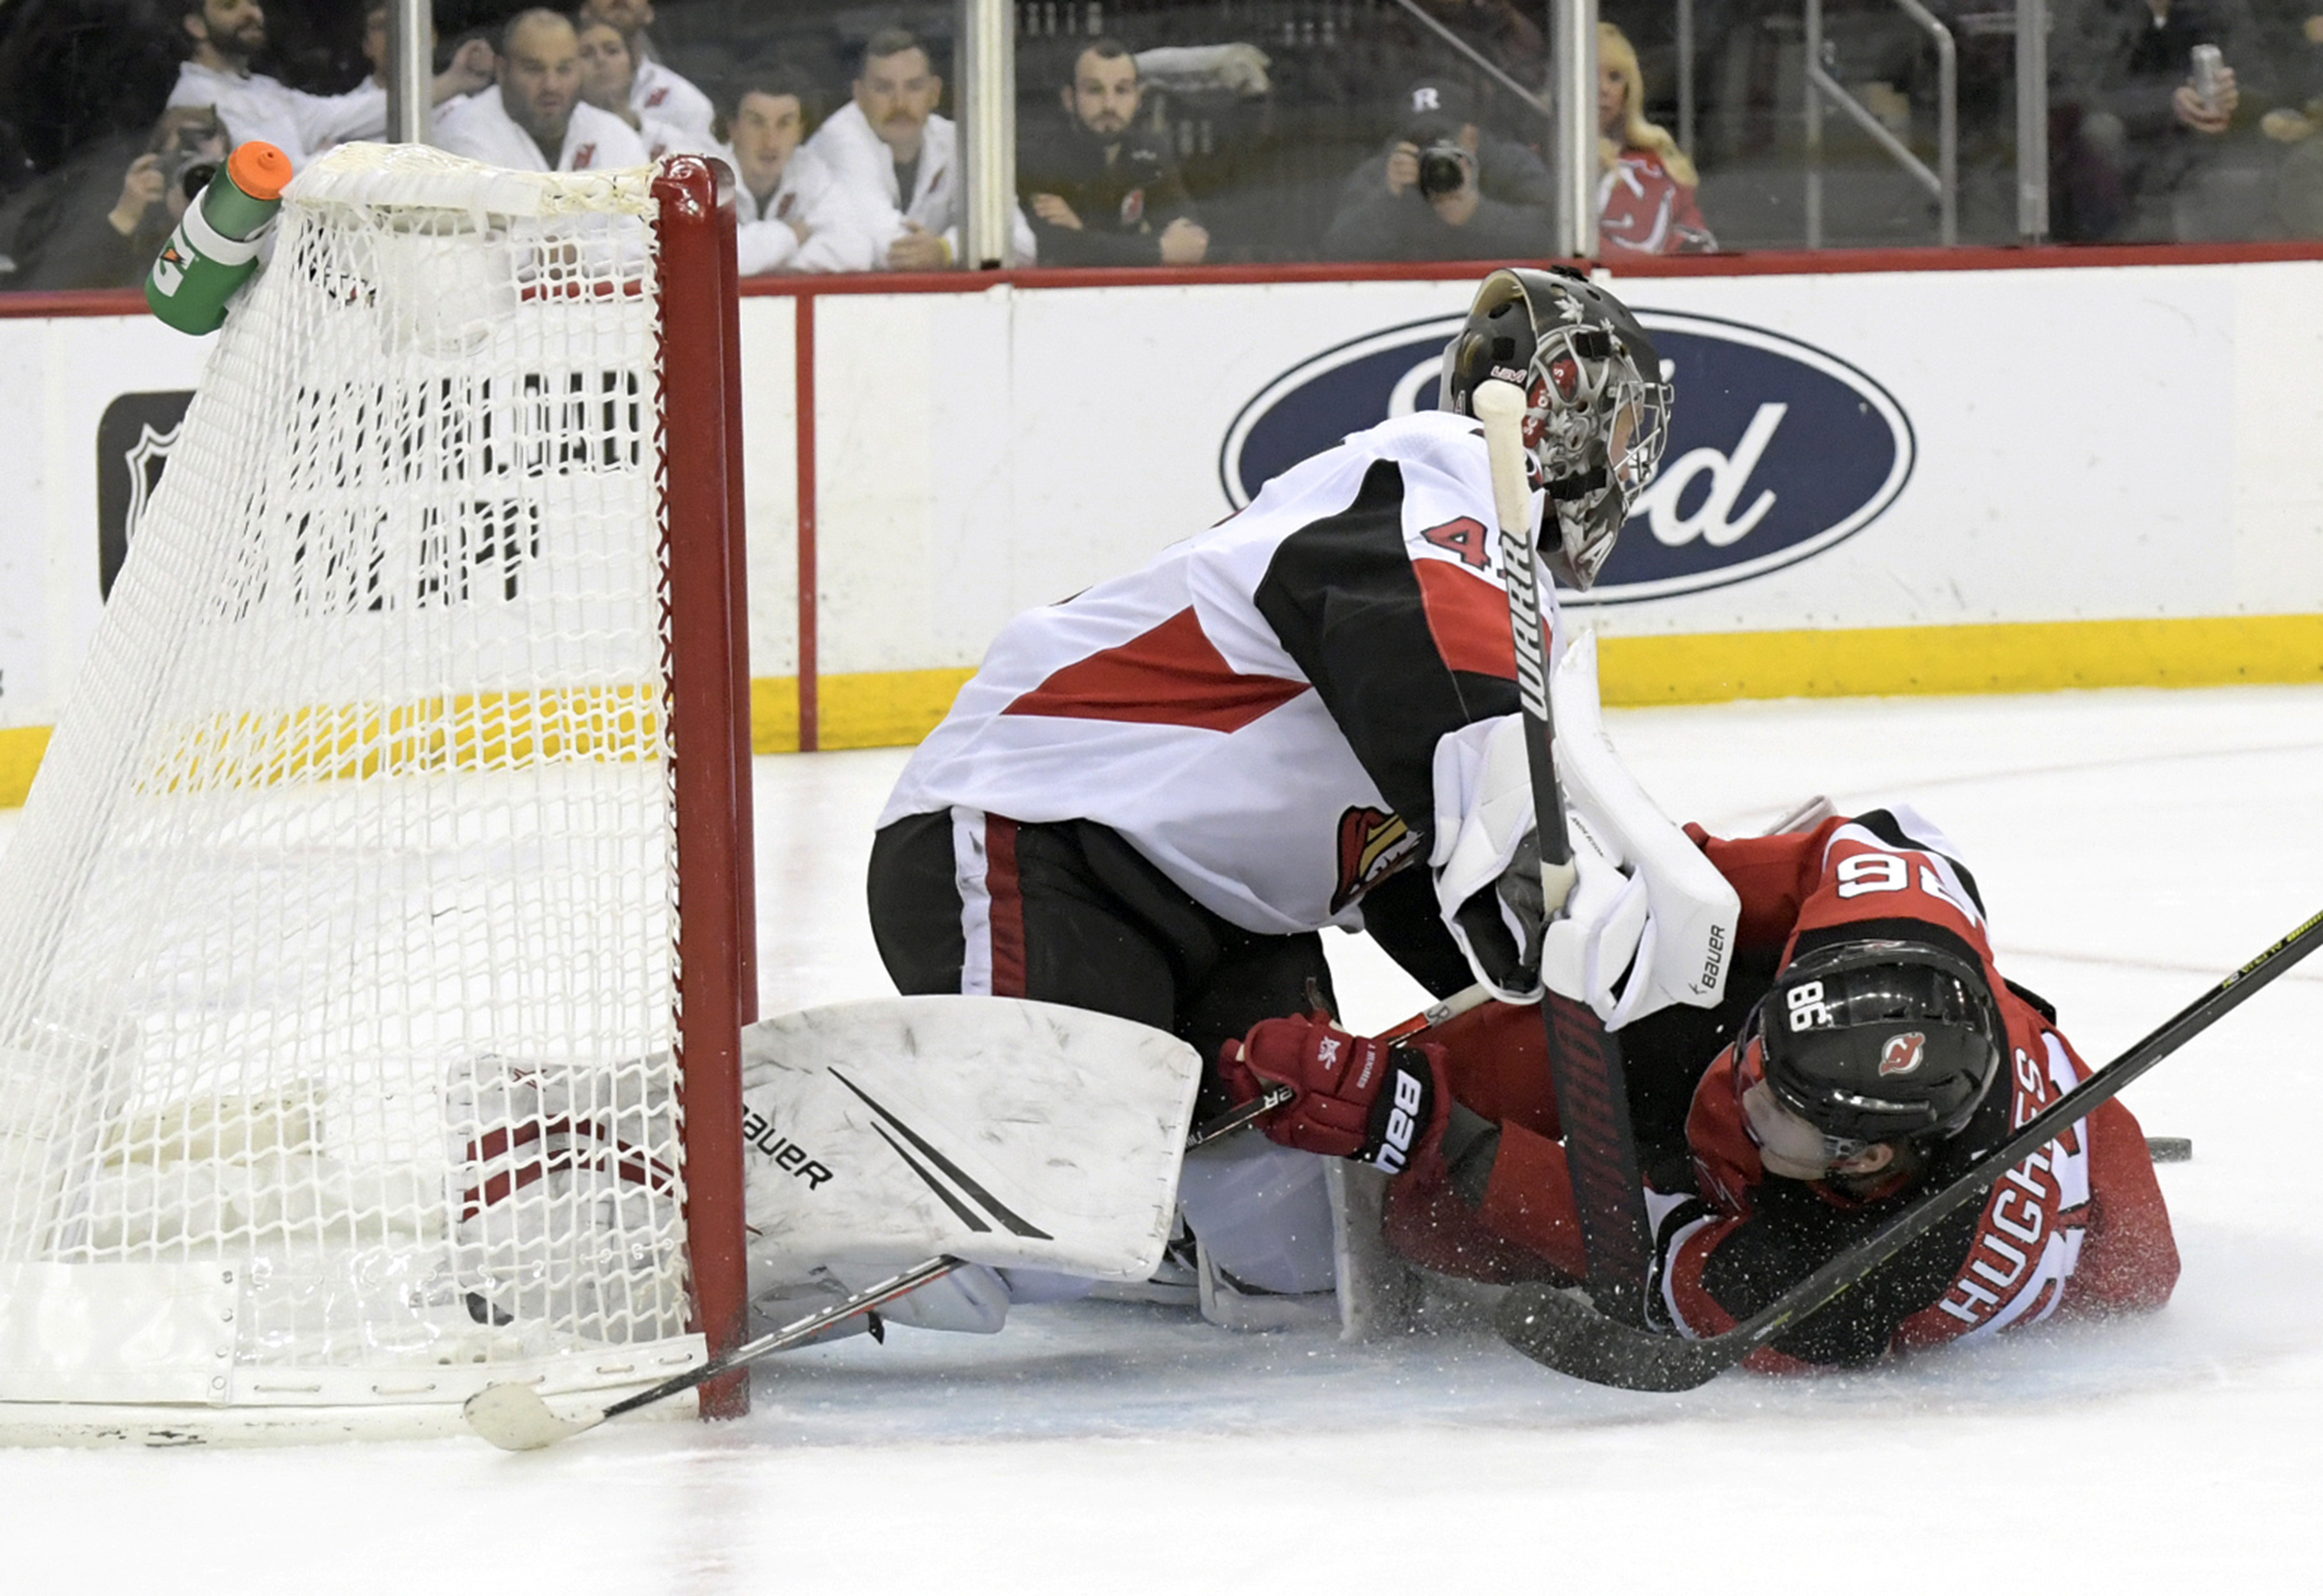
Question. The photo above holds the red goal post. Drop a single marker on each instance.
(709, 672)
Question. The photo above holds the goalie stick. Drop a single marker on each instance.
(1584, 1058)
(514, 1418)
(1552, 1328)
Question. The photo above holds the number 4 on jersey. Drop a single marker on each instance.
(1465, 537)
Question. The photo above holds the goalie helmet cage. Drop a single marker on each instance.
(374, 944)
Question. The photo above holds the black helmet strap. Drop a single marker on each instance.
(1579, 485)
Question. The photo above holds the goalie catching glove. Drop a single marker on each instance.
(1376, 1102)
(1649, 921)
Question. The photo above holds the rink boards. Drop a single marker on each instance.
(2011, 471)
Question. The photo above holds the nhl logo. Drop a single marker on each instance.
(1904, 1053)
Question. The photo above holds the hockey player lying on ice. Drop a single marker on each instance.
(1866, 1049)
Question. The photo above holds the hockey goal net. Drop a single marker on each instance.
(343, 1063)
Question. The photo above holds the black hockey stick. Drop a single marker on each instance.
(1584, 1058)
(1552, 1328)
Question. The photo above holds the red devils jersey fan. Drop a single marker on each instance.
(1151, 797)
(1875, 1053)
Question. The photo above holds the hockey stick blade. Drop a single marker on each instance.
(1551, 1327)
(512, 1416)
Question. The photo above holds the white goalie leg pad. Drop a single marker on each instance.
(1647, 903)
(1483, 810)
(1012, 1134)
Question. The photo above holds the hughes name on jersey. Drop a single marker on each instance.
(1257, 710)
(2076, 1228)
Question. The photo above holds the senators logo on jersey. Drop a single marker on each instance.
(1374, 845)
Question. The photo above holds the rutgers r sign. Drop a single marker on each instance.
(1778, 450)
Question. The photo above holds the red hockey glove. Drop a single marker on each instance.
(1376, 1102)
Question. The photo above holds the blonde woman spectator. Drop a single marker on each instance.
(1646, 197)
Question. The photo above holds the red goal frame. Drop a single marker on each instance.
(707, 661)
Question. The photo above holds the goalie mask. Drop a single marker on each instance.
(1596, 409)
(1879, 1040)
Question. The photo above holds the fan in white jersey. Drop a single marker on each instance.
(899, 160)
(1151, 797)
(223, 36)
(793, 212)
(656, 94)
(609, 73)
(534, 119)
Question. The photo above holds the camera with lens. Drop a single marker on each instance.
(1444, 167)
(189, 171)
(190, 143)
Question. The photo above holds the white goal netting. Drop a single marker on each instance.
(336, 971)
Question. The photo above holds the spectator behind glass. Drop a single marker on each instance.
(2299, 125)
(898, 161)
(223, 36)
(1646, 198)
(533, 118)
(1483, 198)
(1505, 33)
(2132, 139)
(1103, 192)
(791, 213)
(656, 94)
(88, 247)
(607, 74)
(471, 63)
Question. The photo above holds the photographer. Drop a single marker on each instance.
(91, 247)
(1442, 190)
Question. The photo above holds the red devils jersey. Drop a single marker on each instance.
(1257, 709)
(1643, 210)
(2077, 1226)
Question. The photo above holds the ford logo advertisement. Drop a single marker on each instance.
(1778, 450)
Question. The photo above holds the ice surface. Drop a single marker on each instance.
(2132, 846)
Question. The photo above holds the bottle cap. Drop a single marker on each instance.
(259, 170)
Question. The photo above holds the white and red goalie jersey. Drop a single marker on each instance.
(1257, 710)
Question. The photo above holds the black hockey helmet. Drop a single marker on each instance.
(1879, 1040)
(1596, 409)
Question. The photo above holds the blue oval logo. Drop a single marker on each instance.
(1778, 450)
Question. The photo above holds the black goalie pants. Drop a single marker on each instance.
(1069, 913)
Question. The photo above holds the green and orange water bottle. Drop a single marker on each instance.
(214, 250)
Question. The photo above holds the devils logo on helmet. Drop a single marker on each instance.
(1904, 1053)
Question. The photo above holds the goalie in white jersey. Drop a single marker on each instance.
(1151, 798)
